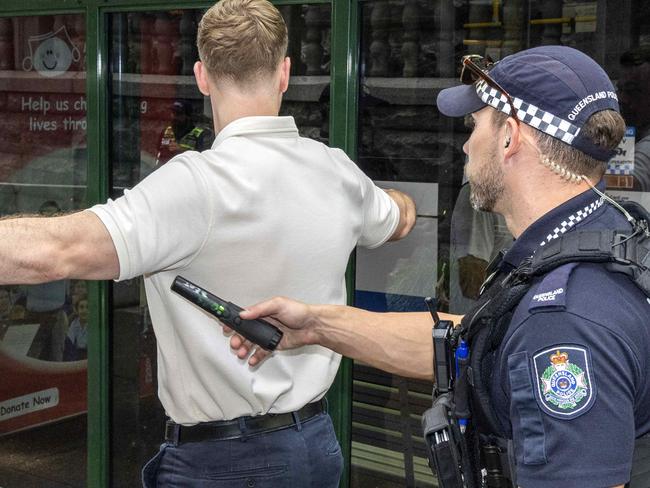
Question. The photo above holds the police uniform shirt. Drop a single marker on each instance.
(571, 382)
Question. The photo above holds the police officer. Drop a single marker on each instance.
(183, 133)
(569, 386)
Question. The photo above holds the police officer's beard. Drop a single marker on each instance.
(486, 185)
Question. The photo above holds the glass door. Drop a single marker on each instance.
(409, 51)
(43, 328)
(157, 112)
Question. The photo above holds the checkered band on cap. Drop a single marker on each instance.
(619, 168)
(572, 220)
(529, 114)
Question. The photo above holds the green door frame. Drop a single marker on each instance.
(343, 134)
(98, 184)
(97, 191)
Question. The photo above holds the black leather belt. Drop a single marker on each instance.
(240, 427)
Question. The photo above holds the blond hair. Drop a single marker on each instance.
(242, 40)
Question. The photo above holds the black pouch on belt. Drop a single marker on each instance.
(442, 449)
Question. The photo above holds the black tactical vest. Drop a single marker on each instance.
(485, 326)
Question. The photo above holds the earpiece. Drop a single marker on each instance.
(507, 143)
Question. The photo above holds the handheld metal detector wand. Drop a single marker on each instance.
(258, 331)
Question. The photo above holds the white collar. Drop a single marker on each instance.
(272, 126)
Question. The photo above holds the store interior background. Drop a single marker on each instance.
(95, 95)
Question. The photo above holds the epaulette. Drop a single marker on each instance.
(551, 293)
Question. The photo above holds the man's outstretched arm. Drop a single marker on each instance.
(399, 343)
(407, 213)
(42, 249)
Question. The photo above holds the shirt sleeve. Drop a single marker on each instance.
(162, 222)
(380, 213)
(571, 389)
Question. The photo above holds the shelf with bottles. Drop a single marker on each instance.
(301, 88)
(31, 81)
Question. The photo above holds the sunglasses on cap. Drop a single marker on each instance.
(474, 67)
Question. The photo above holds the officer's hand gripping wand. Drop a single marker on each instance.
(258, 331)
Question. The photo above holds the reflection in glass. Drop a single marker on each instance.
(158, 112)
(410, 50)
(43, 327)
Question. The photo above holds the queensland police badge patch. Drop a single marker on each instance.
(564, 381)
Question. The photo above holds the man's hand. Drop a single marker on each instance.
(407, 213)
(399, 343)
(293, 318)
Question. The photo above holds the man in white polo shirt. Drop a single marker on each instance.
(263, 212)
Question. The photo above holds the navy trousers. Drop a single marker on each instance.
(304, 455)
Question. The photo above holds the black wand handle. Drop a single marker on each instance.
(257, 331)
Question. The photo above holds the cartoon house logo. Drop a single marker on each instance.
(51, 54)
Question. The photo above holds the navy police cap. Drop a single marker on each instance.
(555, 89)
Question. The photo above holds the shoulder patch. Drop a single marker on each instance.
(552, 290)
(564, 380)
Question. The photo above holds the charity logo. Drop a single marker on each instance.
(563, 384)
(51, 54)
